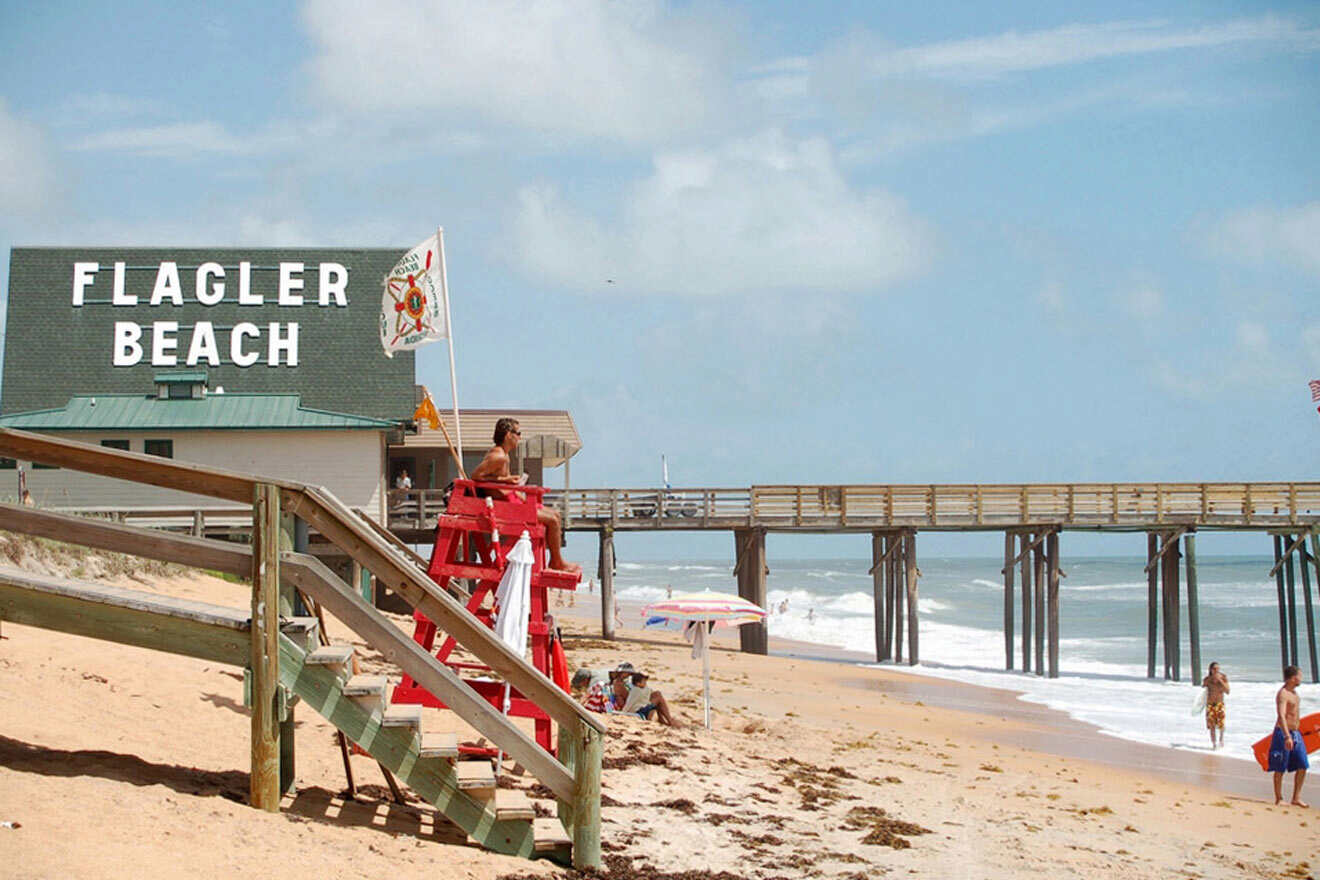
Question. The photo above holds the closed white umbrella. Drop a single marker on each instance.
(513, 600)
(703, 608)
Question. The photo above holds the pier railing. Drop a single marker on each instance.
(946, 506)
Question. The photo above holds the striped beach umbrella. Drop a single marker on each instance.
(704, 609)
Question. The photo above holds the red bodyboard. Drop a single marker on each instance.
(1310, 729)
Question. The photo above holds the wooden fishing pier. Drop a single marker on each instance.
(1032, 517)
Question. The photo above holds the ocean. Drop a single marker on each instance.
(1102, 624)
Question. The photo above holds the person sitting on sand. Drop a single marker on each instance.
(1287, 748)
(644, 701)
(494, 468)
(591, 693)
(1216, 686)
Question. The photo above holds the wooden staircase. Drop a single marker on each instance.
(284, 665)
(501, 820)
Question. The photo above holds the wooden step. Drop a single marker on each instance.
(402, 716)
(550, 835)
(366, 686)
(474, 777)
(331, 655)
(302, 630)
(513, 804)
(439, 745)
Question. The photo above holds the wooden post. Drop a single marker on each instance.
(586, 798)
(1304, 562)
(606, 574)
(910, 555)
(264, 788)
(1038, 559)
(1193, 606)
(1171, 591)
(1283, 613)
(1152, 601)
(878, 587)
(891, 595)
(1027, 601)
(1052, 551)
(199, 524)
(1310, 618)
(898, 599)
(1008, 600)
(751, 571)
(1292, 604)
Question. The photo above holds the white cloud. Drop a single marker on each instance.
(627, 70)
(27, 172)
(1268, 235)
(175, 140)
(1013, 52)
(757, 215)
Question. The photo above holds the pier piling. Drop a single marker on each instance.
(1027, 601)
(1008, 600)
(605, 571)
(1052, 553)
(1283, 612)
(751, 570)
(878, 587)
(1290, 578)
(1193, 605)
(1308, 560)
(911, 578)
(1038, 560)
(1152, 600)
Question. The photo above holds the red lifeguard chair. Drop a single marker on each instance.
(473, 536)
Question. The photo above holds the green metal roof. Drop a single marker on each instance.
(215, 412)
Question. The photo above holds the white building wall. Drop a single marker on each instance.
(348, 463)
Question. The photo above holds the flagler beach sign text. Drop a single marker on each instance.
(165, 343)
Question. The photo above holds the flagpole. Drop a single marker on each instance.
(449, 336)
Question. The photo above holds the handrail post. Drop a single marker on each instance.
(586, 798)
(264, 781)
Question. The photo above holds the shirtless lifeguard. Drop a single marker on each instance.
(1287, 749)
(494, 468)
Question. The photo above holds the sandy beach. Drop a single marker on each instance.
(118, 762)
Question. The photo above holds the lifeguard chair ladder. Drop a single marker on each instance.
(473, 537)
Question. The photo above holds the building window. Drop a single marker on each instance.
(115, 444)
(163, 448)
(8, 464)
(179, 391)
(38, 466)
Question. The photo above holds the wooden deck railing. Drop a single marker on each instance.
(946, 506)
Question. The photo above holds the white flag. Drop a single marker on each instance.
(412, 308)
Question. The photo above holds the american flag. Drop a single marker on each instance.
(1315, 389)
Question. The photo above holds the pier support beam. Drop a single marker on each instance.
(1152, 599)
(1193, 605)
(890, 567)
(1052, 553)
(605, 571)
(1173, 628)
(1308, 563)
(1290, 578)
(912, 575)
(751, 569)
(1027, 601)
(878, 588)
(1038, 564)
(899, 596)
(1008, 600)
(1283, 613)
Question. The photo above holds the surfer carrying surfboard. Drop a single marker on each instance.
(1216, 686)
(1287, 748)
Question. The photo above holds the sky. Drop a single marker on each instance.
(775, 242)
